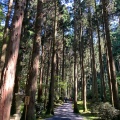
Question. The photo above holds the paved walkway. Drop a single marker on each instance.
(65, 112)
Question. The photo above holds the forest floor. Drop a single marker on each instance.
(65, 112)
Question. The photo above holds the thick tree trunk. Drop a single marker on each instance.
(33, 74)
(8, 74)
(50, 106)
(111, 61)
(15, 103)
(5, 37)
(16, 86)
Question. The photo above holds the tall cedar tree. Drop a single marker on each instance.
(111, 61)
(75, 59)
(94, 83)
(31, 87)
(8, 73)
(15, 100)
(103, 92)
(5, 37)
(50, 106)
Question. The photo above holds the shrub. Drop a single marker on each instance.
(105, 110)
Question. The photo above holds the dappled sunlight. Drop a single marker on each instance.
(65, 112)
(87, 114)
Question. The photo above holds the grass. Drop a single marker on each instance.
(87, 115)
(43, 115)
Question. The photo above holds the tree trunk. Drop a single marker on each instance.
(63, 56)
(75, 85)
(103, 90)
(84, 92)
(83, 80)
(8, 74)
(95, 87)
(5, 39)
(31, 86)
(50, 106)
(16, 85)
(41, 76)
(111, 61)
(46, 88)
(15, 104)
(75, 60)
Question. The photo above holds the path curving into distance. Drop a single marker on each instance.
(65, 112)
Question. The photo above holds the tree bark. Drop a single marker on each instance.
(94, 80)
(111, 61)
(8, 74)
(31, 86)
(5, 39)
(41, 76)
(50, 106)
(63, 66)
(75, 60)
(15, 104)
(103, 90)
(46, 87)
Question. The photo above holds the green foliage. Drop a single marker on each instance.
(2, 16)
(116, 43)
(117, 5)
(105, 110)
(63, 84)
(64, 21)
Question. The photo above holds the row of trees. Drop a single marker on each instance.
(48, 47)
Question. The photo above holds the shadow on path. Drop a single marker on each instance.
(65, 112)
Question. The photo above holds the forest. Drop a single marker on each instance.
(53, 50)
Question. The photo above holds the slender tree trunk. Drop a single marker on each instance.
(80, 48)
(48, 71)
(111, 61)
(57, 72)
(95, 87)
(83, 81)
(41, 76)
(46, 88)
(103, 90)
(109, 77)
(8, 74)
(75, 61)
(84, 92)
(108, 67)
(63, 54)
(50, 107)
(75, 85)
(5, 37)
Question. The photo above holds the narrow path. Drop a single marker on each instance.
(65, 112)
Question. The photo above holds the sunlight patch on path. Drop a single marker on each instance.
(65, 112)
